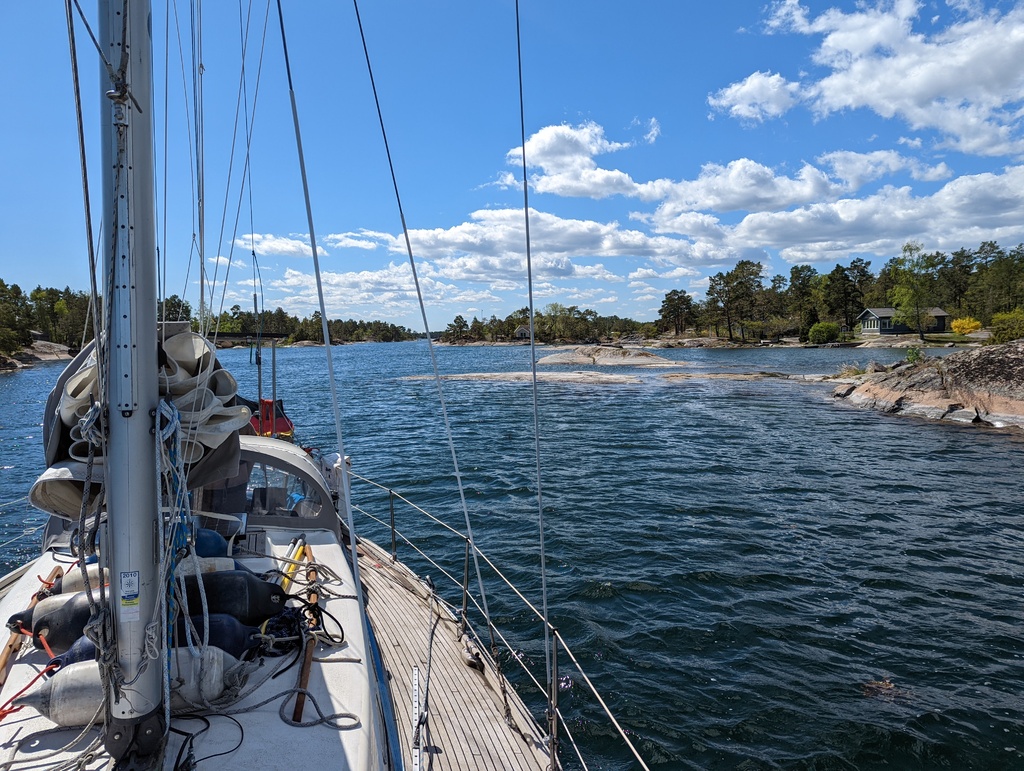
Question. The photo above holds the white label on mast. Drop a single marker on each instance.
(130, 607)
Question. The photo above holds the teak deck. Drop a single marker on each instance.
(465, 727)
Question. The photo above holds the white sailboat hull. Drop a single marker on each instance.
(340, 682)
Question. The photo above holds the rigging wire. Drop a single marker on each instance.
(248, 122)
(93, 284)
(92, 36)
(346, 501)
(243, 29)
(200, 156)
(548, 650)
(552, 686)
(191, 149)
(426, 328)
(257, 280)
(161, 221)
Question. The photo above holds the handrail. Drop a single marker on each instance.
(413, 546)
(403, 499)
(398, 535)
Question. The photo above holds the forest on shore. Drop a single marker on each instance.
(64, 316)
(981, 287)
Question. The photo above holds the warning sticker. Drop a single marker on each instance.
(130, 605)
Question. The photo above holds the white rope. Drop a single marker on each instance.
(25, 534)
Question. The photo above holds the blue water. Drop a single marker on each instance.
(737, 564)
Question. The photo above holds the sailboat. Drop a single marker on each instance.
(202, 596)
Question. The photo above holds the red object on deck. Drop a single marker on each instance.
(265, 424)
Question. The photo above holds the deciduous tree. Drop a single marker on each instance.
(913, 295)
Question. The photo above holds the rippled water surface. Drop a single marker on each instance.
(754, 576)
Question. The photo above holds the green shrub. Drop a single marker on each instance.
(965, 325)
(1007, 326)
(914, 354)
(823, 332)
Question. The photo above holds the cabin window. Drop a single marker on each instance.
(276, 492)
(260, 489)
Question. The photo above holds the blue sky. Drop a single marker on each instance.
(666, 140)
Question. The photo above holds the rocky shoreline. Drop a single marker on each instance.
(39, 351)
(982, 386)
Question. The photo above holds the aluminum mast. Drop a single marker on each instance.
(136, 730)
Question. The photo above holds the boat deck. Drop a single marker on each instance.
(465, 728)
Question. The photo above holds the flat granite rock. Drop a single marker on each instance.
(605, 356)
(585, 378)
(983, 385)
(727, 376)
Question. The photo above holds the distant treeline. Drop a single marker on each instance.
(555, 322)
(986, 284)
(63, 316)
(278, 322)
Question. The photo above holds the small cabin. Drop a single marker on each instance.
(522, 332)
(879, 321)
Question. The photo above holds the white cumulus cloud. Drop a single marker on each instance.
(759, 96)
(963, 80)
(266, 244)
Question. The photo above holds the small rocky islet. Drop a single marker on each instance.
(982, 386)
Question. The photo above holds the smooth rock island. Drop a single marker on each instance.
(605, 356)
(585, 378)
(984, 385)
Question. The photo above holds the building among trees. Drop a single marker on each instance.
(884, 321)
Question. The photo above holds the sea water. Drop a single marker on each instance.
(753, 575)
